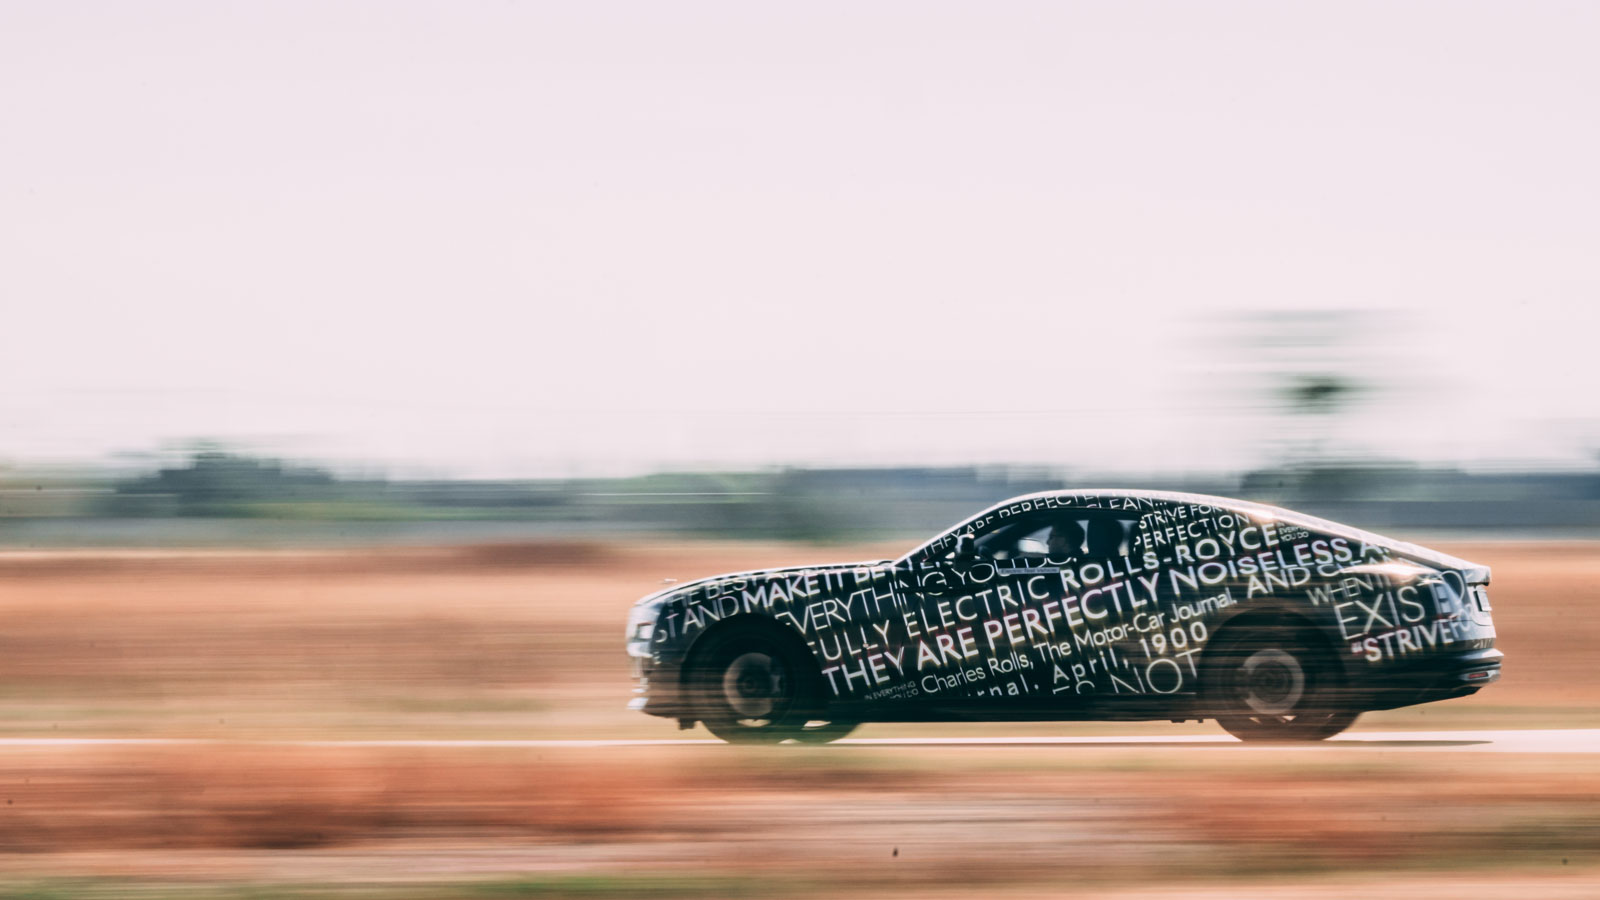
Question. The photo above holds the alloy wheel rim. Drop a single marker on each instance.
(1272, 682)
(752, 684)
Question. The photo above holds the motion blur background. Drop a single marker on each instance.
(361, 362)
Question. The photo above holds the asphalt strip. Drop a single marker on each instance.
(1571, 740)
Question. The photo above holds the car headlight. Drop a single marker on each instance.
(642, 622)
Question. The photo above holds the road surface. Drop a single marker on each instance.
(1571, 740)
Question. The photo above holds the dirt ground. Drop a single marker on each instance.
(525, 641)
(787, 821)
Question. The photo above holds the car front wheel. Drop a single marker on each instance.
(748, 686)
(1269, 685)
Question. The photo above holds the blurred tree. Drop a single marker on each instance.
(1319, 393)
(219, 483)
(1310, 364)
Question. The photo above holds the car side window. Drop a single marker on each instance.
(1035, 543)
(1109, 536)
(1034, 536)
(1058, 533)
(1064, 534)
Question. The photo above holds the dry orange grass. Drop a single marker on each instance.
(272, 798)
(516, 640)
(862, 818)
(506, 640)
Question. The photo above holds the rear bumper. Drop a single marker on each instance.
(1433, 678)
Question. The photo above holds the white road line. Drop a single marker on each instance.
(1572, 740)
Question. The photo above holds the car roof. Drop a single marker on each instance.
(1138, 494)
(1263, 510)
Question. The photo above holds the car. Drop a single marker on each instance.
(1073, 606)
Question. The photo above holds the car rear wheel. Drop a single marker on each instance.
(748, 688)
(1269, 684)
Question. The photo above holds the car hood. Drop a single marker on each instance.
(668, 592)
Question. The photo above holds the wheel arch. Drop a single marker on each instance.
(1276, 615)
(755, 622)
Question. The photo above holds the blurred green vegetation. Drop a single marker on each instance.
(819, 505)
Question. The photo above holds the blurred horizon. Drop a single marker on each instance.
(216, 496)
(178, 453)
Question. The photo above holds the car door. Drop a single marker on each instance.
(988, 618)
(1206, 560)
(1108, 594)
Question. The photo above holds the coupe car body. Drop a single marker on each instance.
(1104, 604)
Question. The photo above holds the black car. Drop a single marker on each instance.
(1119, 605)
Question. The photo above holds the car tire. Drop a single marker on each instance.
(1272, 684)
(750, 687)
(1334, 723)
(824, 732)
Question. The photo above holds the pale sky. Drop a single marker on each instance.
(572, 238)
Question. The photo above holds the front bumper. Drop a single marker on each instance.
(657, 687)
